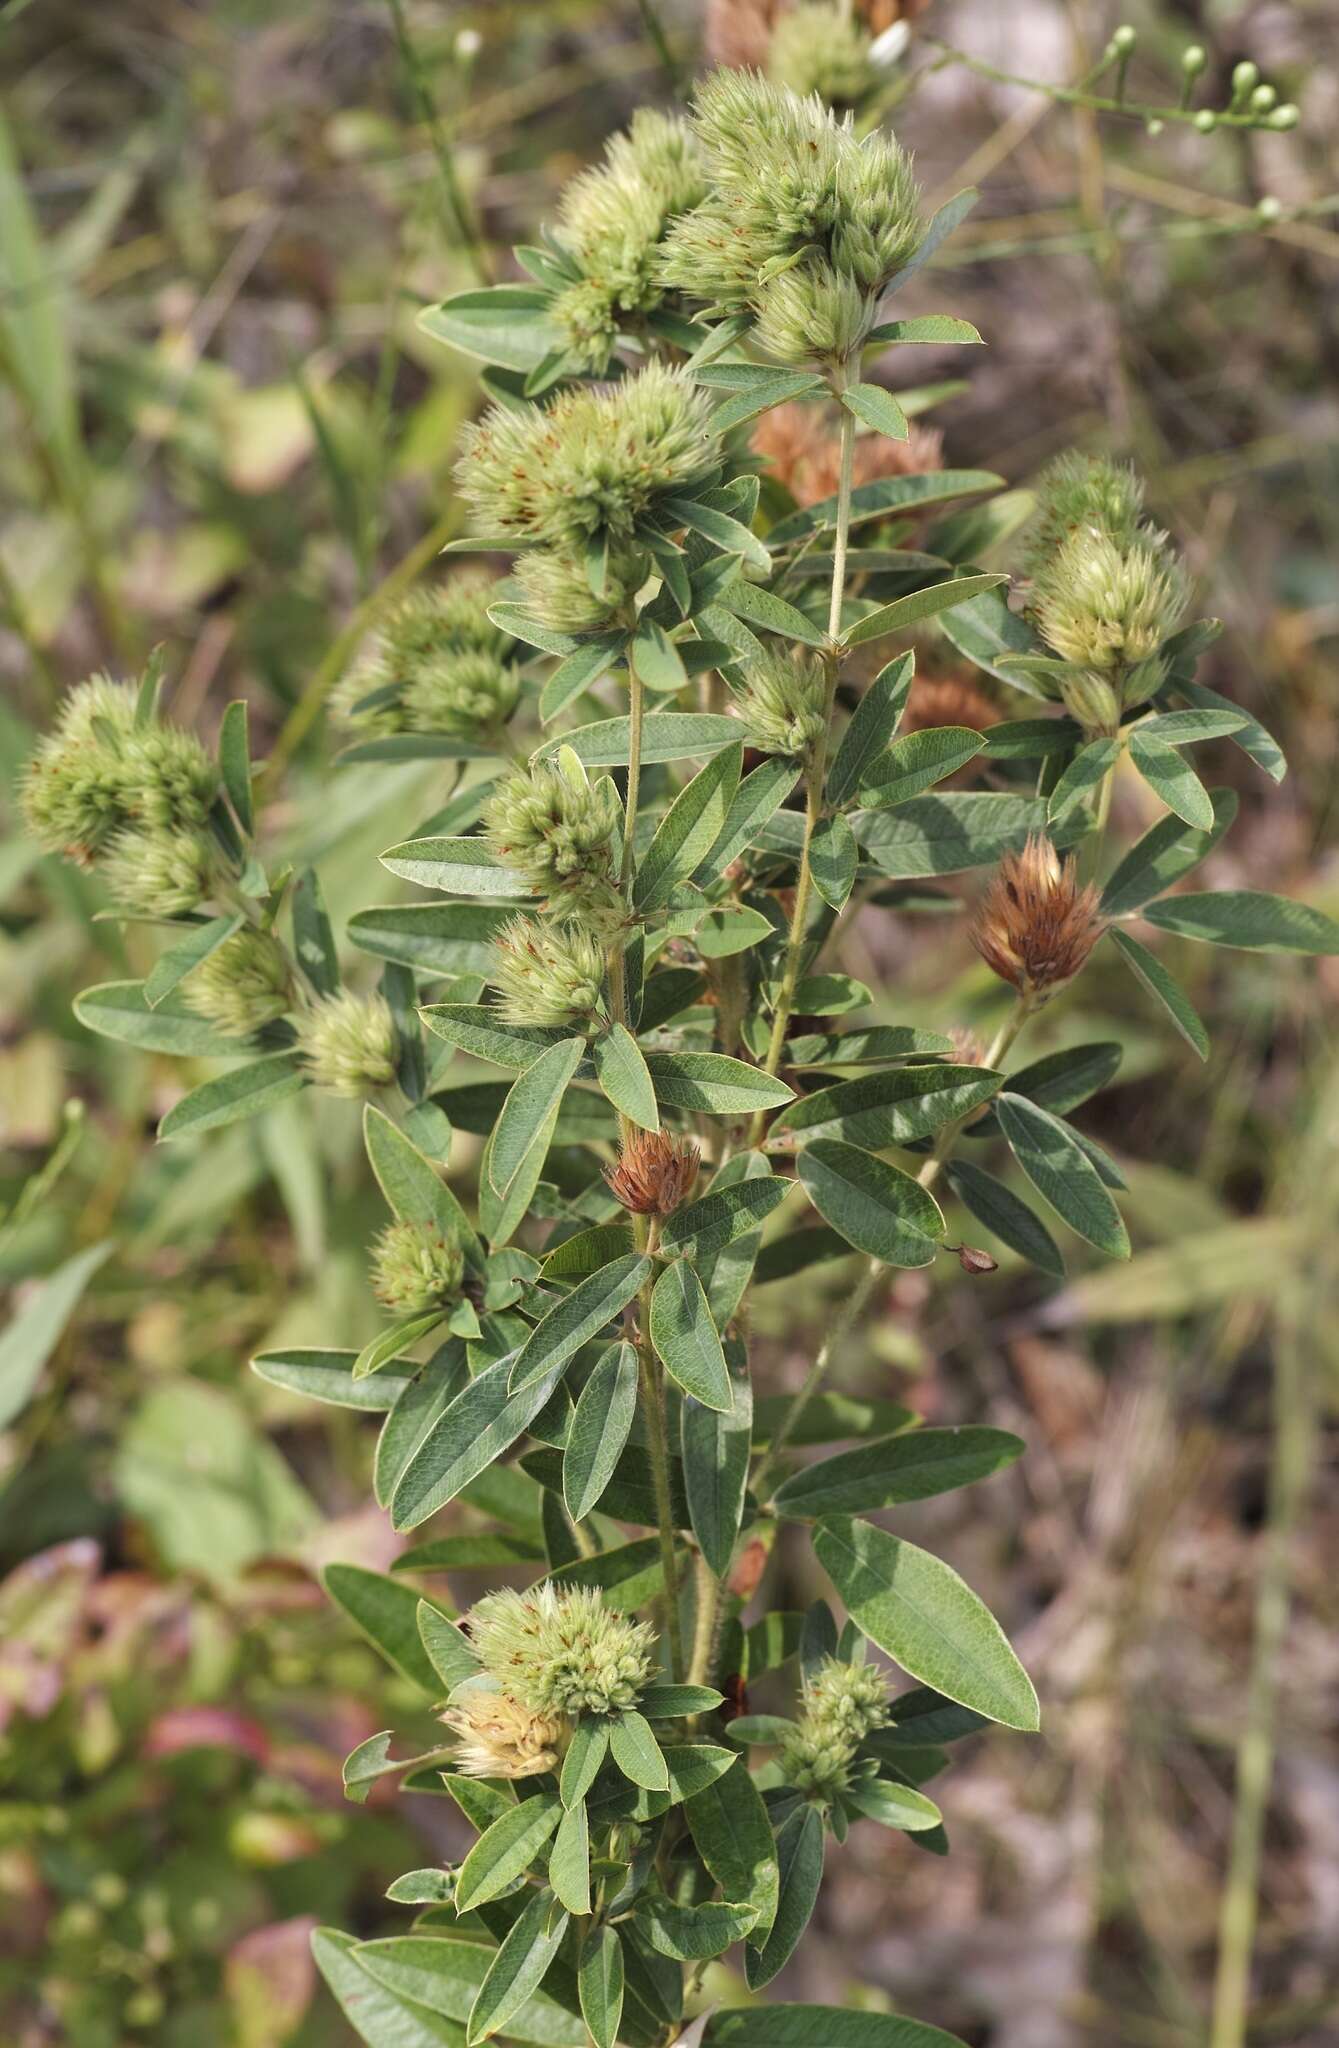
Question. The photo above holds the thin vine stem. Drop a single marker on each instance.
(1078, 96)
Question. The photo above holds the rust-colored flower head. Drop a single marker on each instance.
(1036, 924)
(948, 700)
(804, 453)
(655, 1173)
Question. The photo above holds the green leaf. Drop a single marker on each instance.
(808, 2026)
(732, 1835)
(1165, 853)
(730, 930)
(482, 1422)
(657, 660)
(228, 1098)
(1249, 919)
(799, 1851)
(1061, 1171)
(761, 793)
(716, 1448)
(506, 1849)
(405, 1330)
(1173, 779)
(713, 1082)
(448, 1651)
(987, 632)
(917, 762)
(1185, 728)
(187, 954)
(386, 1612)
(463, 867)
(932, 328)
(1149, 971)
(917, 605)
(569, 1859)
(666, 736)
(1030, 739)
(599, 1429)
(772, 613)
(577, 672)
(896, 1107)
(520, 1965)
(780, 387)
(328, 1376)
(942, 835)
(725, 533)
(691, 1933)
(833, 860)
(476, 1029)
(600, 1985)
(1260, 746)
(435, 938)
(894, 1805)
(468, 1553)
(636, 1753)
(672, 1702)
(235, 763)
(917, 1609)
(444, 1973)
(575, 1319)
(897, 1469)
(34, 1330)
(585, 1754)
(587, 1252)
(686, 1339)
(689, 829)
(706, 1226)
(880, 1045)
(878, 409)
(120, 1010)
(725, 1270)
(887, 497)
(1085, 773)
(943, 223)
(1059, 1081)
(630, 1494)
(378, 2016)
(313, 938)
(828, 1418)
(875, 1206)
(530, 1111)
(507, 324)
(415, 1192)
(1011, 1220)
(872, 725)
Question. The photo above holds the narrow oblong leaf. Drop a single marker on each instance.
(519, 1967)
(772, 613)
(1084, 775)
(621, 1070)
(901, 1468)
(666, 736)
(944, 834)
(1001, 1211)
(896, 1107)
(918, 605)
(1172, 778)
(531, 1107)
(799, 1850)
(805, 2026)
(833, 860)
(875, 1206)
(716, 1449)
(585, 1754)
(761, 793)
(461, 867)
(1165, 989)
(600, 1985)
(878, 409)
(482, 1422)
(1061, 1171)
(506, 1849)
(229, 1098)
(917, 762)
(714, 1082)
(579, 1316)
(732, 1835)
(1247, 918)
(1165, 853)
(871, 727)
(635, 1751)
(235, 763)
(689, 828)
(686, 1339)
(715, 1220)
(599, 1429)
(385, 1610)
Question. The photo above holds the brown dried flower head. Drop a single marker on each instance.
(655, 1173)
(948, 700)
(1036, 925)
(500, 1738)
(805, 455)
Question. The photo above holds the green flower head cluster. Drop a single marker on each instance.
(555, 829)
(843, 1703)
(560, 1650)
(1107, 586)
(243, 984)
(805, 224)
(782, 701)
(584, 474)
(436, 664)
(348, 1043)
(548, 974)
(102, 787)
(415, 1267)
(612, 220)
(818, 48)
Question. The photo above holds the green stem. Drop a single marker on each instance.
(704, 1628)
(652, 1378)
(1090, 852)
(815, 774)
(660, 42)
(464, 226)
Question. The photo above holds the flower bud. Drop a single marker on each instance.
(842, 1704)
(813, 313)
(655, 1173)
(548, 974)
(176, 780)
(1103, 605)
(823, 49)
(434, 664)
(554, 829)
(99, 771)
(782, 702)
(555, 588)
(348, 1043)
(463, 695)
(415, 1267)
(500, 1738)
(1036, 925)
(242, 985)
(159, 874)
(1194, 58)
(560, 1650)
(592, 462)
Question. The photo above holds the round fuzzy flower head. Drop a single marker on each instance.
(554, 828)
(1036, 925)
(500, 1738)
(592, 462)
(99, 771)
(655, 1173)
(415, 1267)
(348, 1043)
(1083, 491)
(548, 974)
(461, 694)
(842, 1704)
(555, 588)
(159, 874)
(559, 1650)
(1103, 606)
(782, 702)
(242, 985)
(817, 47)
(434, 664)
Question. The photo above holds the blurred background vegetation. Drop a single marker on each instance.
(220, 431)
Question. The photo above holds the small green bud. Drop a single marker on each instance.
(823, 49)
(1269, 210)
(1090, 701)
(415, 1268)
(782, 702)
(1154, 127)
(177, 781)
(159, 874)
(812, 314)
(1124, 39)
(1206, 120)
(1284, 117)
(612, 219)
(99, 771)
(1194, 59)
(243, 984)
(842, 1704)
(560, 1650)
(548, 974)
(555, 588)
(555, 830)
(1263, 99)
(1245, 78)
(348, 1043)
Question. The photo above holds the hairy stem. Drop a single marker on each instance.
(636, 704)
(815, 773)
